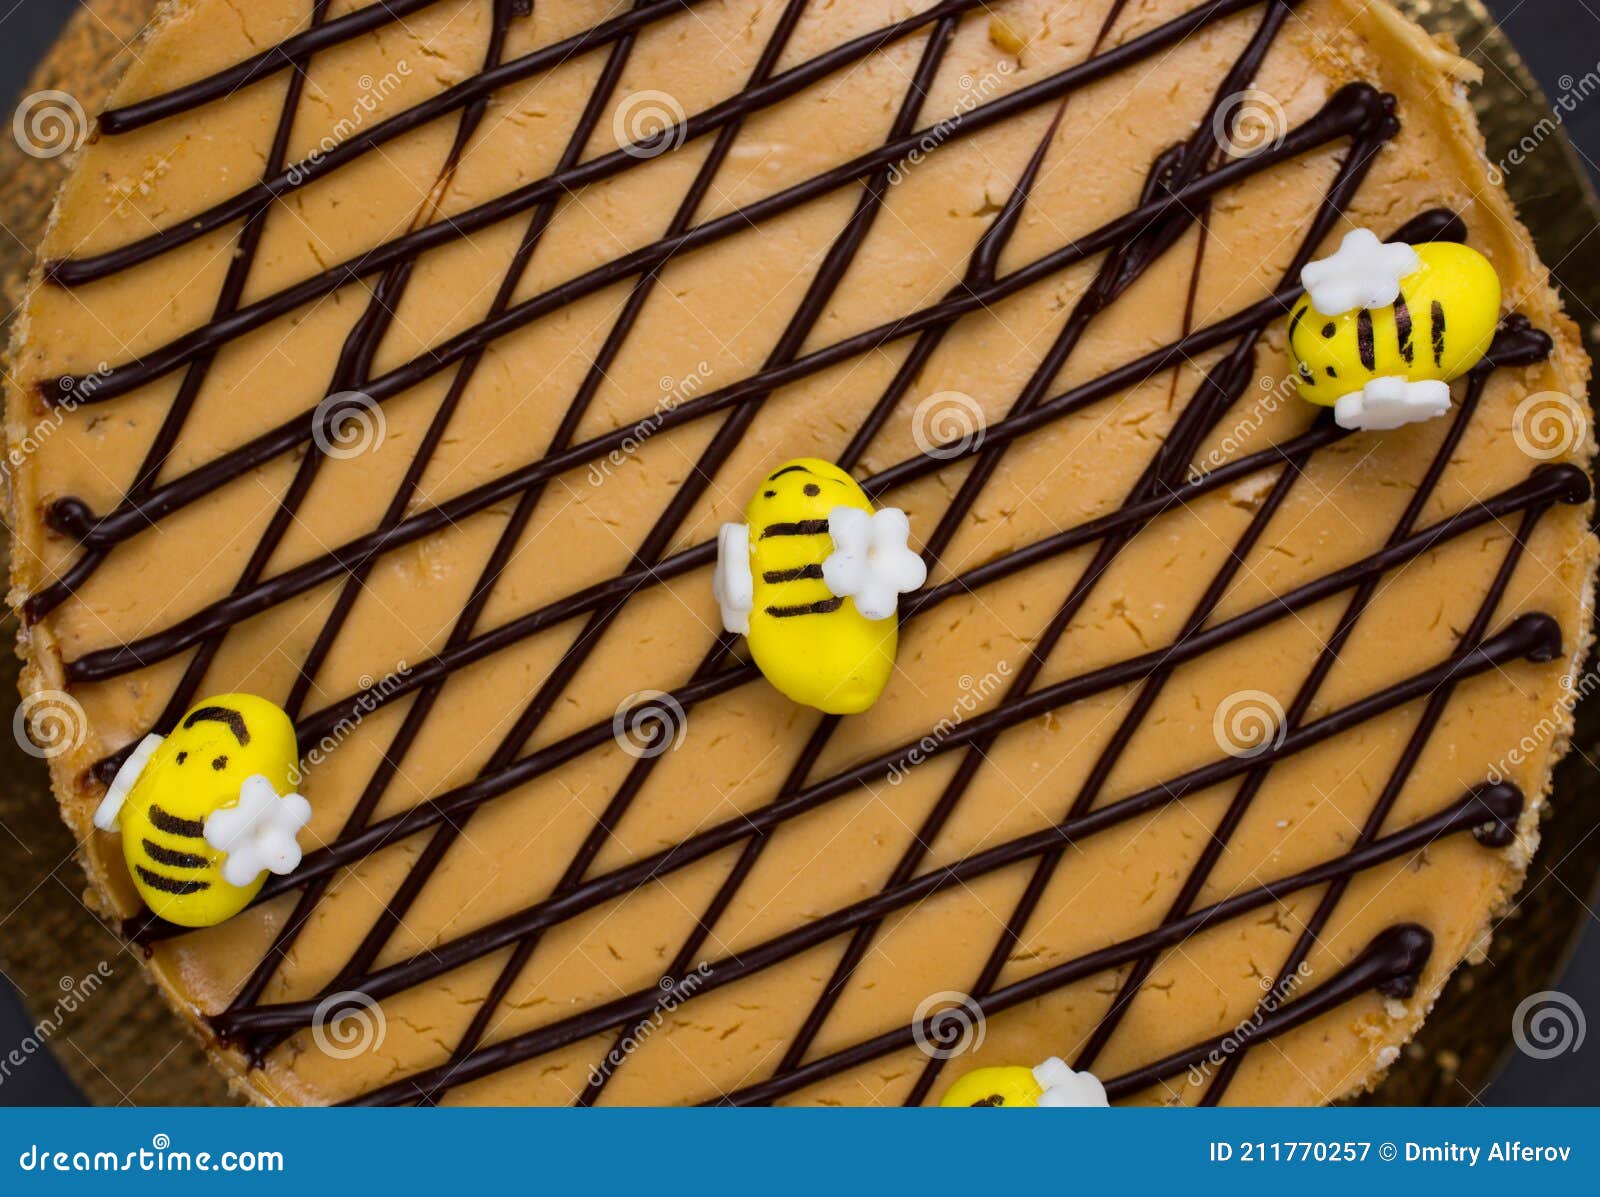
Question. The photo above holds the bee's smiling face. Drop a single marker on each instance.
(1326, 354)
(203, 762)
(804, 489)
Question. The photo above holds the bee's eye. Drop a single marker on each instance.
(182, 756)
(769, 494)
(812, 489)
(219, 763)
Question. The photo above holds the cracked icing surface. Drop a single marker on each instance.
(714, 316)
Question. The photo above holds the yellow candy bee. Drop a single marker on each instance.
(1052, 1084)
(1383, 329)
(812, 579)
(206, 812)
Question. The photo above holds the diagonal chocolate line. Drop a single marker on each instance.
(982, 265)
(1549, 484)
(287, 53)
(1488, 811)
(1531, 637)
(102, 663)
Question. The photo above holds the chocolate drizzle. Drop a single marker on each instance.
(1174, 203)
(1492, 805)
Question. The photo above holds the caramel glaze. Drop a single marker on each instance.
(1178, 189)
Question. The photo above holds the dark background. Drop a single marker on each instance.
(1558, 39)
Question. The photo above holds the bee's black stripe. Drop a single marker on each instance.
(169, 856)
(1366, 342)
(172, 825)
(820, 607)
(813, 570)
(1402, 327)
(798, 528)
(170, 885)
(1438, 333)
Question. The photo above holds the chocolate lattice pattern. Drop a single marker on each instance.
(1181, 186)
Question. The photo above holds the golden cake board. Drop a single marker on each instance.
(122, 1045)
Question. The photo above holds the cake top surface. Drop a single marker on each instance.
(409, 388)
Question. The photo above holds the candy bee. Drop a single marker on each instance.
(812, 580)
(1383, 329)
(206, 812)
(1052, 1084)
